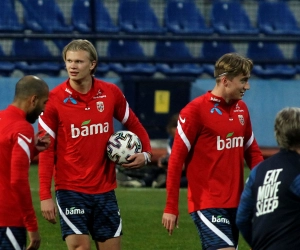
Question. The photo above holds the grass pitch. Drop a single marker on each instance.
(141, 211)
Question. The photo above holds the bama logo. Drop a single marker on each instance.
(74, 210)
(219, 219)
(230, 142)
(87, 129)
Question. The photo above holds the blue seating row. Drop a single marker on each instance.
(171, 52)
(138, 17)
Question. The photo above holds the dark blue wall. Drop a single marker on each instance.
(264, 100)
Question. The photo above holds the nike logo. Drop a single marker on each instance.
(182, 120)
(26, 138)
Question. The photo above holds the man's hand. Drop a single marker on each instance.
(169, 221)
(42, 140)
(34, 240)
(136, 161)
(49, 210)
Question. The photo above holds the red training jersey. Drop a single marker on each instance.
(17, 148)
(212, 139)
(80, 126)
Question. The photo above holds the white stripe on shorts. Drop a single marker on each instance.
(65, 218)
(119, 230)
(12, 239)
(215, 229)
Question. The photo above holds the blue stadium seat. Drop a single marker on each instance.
(168, 50)
(213, 50)
(25, 48)
(183, 17)
(9, 21)
(104, 22)
(44, 16)
(276, 18)
(230, 18)
(270, 52)
(297, 56)
(128, 49)
(137, 16)
(102, 69)
(82, 17)
(6, 67)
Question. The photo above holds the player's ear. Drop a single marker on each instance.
(93, 65)
(33, 100)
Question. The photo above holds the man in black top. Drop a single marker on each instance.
(269, 212)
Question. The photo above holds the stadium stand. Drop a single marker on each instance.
(9, 21)
(174, 50)
(268, 51)
(102, 69)
(212, 50)
(297, 56)
(82, 14)
(150, 21)
(103, 20)
(44, 16)
(183, 17)
(123, 49)
(137, 16)
(6, 68)
(23, 48)
(276, 18)
(230, 18)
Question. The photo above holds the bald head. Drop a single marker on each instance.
(31, 95)
(30, 85)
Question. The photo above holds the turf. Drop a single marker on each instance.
(141, 211)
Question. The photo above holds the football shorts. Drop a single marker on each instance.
(216, 227)
(94, 214)
(12, 238)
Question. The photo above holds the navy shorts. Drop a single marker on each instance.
(12, 238)
(94, 214)
(216, 227)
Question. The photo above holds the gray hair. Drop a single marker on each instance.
(287, 128)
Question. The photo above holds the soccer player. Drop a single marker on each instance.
(79, 118)
(18, 146)
(214, 136)
(268, 215)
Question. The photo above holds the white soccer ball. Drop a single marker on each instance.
(121, 145)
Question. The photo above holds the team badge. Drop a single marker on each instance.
(100, 106)
(241, 118)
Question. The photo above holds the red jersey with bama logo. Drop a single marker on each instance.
(16, 151)
(79, 126)
(213, 138)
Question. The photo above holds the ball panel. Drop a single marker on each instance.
(123, 144)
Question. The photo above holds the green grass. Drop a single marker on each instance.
(141, 211)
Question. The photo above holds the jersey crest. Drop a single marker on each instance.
(100, 106)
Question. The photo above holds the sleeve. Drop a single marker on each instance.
(246, 209)
(48, 121)
(253, 154)
(188, 127)
(23, 148)
(127, 117)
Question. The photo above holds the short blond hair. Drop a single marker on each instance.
(232, 65)
(81, 44)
